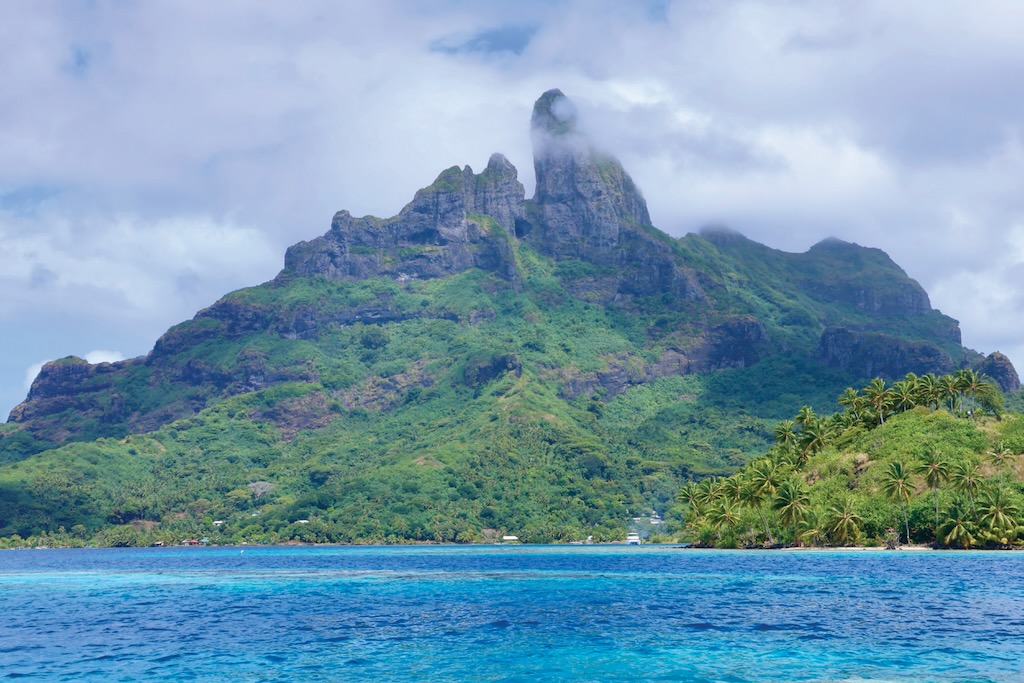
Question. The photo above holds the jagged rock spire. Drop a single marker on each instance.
(586, 199)
(553, 126)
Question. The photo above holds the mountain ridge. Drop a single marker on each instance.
(586, 208)
(581, 347)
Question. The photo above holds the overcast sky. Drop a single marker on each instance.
(156, 155)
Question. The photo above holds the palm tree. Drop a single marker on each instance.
(904, 396)
(844, 523)
(950, 391)
(785, 434)
(724, 514)
(812, 438)
(999, 516)
(709, 492)
(970, 383)
(689, 495)
(762, 481)
(878, 397)
(811, 531)
(753, 497)
(792, 503)
(897, 486)
(990, 397)
(732, 487)
(966, 479)
(935, 471)
(852, 401)
(956, 530)
(999, 456)
(931, 390)
(804, 415)
(914, 382)
(764, 476)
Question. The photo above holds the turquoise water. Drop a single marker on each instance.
(590, 613)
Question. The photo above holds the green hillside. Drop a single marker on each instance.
(914, 462)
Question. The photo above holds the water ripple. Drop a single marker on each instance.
(509, 614)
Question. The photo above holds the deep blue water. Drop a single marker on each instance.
(590, 613)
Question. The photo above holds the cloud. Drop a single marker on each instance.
(31, 372)
(103, 356)
(126, 267)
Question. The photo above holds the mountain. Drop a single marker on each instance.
(481, 361)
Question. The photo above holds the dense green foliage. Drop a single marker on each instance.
(912, 462)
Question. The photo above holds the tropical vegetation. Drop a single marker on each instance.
(925, 460)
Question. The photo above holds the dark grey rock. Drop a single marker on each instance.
(1001, 370)
(461, 221)
(872, 354)
(587, 207)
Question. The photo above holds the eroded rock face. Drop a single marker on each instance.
(870, 354)
(72, 384)
(585, 198)
(1001, 370)
(462, 221)
(588, 208)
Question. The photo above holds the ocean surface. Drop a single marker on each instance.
(506, 613)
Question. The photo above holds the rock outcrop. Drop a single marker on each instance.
(1001, 370)
(586, 207)
(848, 274)
(871, 354)
(461, 221)
(737, 342)
(586, 201)
(72, 385)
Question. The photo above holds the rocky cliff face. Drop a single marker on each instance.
(68, 384)
(585, 200)
(587, 207)
(870, 354)
(461, 221)
(1001, 370)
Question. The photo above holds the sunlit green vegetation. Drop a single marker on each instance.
(928, 460)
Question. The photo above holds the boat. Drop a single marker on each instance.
(633, 539)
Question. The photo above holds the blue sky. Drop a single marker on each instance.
(155, 155)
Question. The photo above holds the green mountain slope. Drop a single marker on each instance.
(479, 363)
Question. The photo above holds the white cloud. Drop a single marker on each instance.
(103, 356)
(30, 374)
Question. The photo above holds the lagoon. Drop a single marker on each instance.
(510, 613)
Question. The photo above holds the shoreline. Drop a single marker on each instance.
(913, 548)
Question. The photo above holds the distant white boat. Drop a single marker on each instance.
(633, 539)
